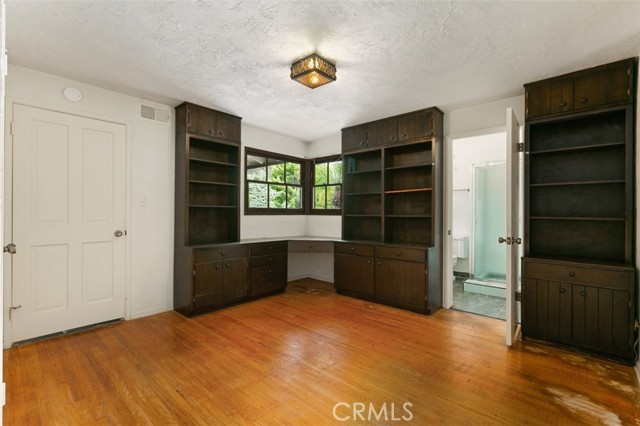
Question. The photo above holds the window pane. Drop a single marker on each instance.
(320, 173)
(293, 173)
(276, 171)
(335, 172)
(319, 193)
(294, 197)
(277, 196)
(258, 195)
(259, 173)
(333, 197)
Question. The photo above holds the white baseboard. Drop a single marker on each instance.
(315, 277)
(149, 312)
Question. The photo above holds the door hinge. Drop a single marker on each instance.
(194, 272)
(11, 128)
(9, 248)
(521, 147)
(518, 296)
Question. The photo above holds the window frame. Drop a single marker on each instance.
(312, 184)
(280, 157)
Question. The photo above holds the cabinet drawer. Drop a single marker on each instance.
(267, 285)
(268, 259)
(258, 249)
(210, 254)
(602, 277)
(311, 246)
(401, 253)
(359, 249)
(268, 271)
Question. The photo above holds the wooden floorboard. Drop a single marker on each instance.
(289, 359)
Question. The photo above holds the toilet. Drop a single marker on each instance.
(460, 249)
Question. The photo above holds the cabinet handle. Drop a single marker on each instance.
(404, 136)
(270, 259)
(572, 274)
(353, 249)
(584, 100)
(562, 290)
(270, 248)
(217, 266)
(269, 283)
(221, 253)
(270, 271)
(379, 263)
(228, 265)
(368, 262)
(398, 253)
(583, 293)
(563, 104)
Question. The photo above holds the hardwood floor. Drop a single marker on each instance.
(289, 359)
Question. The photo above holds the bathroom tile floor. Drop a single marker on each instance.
(475, 303)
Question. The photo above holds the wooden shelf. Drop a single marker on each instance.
(409, 216)
(404, 191)
(363, 215)
(578, 148)
(205, 206)
(614, 219)
(206, 182)
(363, 193)
(362, 172)
(414, 166)
(592, 182)
(217, 163)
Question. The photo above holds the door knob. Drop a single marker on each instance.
(504, 240)
(118, 233)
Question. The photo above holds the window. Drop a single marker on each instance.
(327, 185)
(274, 183)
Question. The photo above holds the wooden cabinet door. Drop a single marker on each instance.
(235, 279)
(416, 125)
(401, 282)
(560, 95)
(227, 127)
(382, 132)
(354, 138)
(207, 284)
(602, 318)
(354, 273)
(585, 91)
(615, 84)
(546, 310)
(200, 120)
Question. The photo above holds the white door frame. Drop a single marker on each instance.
(447, 237)
(8, 204)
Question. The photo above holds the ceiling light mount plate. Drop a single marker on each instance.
(313, 71)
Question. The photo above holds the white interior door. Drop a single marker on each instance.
(514, 236)
(68, 216)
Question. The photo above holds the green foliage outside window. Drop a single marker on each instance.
(274, 183)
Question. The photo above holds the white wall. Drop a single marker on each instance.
(467, 152)
(150, 158)
(483, 116)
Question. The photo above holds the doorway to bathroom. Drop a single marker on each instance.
(479, 179)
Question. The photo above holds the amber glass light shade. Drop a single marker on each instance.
(313, 71)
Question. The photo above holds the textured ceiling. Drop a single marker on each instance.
(392, 56)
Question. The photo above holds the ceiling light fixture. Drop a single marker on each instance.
(313, 71)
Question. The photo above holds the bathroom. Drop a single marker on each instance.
(478, 220)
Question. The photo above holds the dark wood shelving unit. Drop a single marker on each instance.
(207, 211)
(578, 269)
(392, 197)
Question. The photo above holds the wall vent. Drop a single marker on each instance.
(155, 114)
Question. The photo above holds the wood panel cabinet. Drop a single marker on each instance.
(391, 275)
(268, 268)
(578, 273)
(604, 86)
(207, 211)
(588, 307)
(211, 123)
